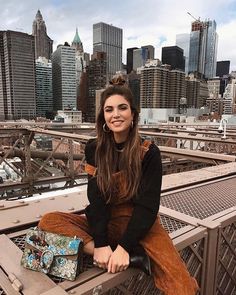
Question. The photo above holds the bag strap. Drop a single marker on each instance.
(91, 170)
(145, 146)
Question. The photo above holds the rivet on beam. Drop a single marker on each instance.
(71, 208)
(16, 221)
(52, 198)
(2, 206)
(38, 216)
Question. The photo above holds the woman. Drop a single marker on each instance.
(124, 188)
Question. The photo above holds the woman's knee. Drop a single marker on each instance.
(49, 218)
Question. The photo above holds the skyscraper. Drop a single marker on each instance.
(173, 56)
(141, 55)
(96, 75)
(44, 99)
(150, 51)
(76, 43)
(129, 58)
(81, 61)
(134, 85)
(182, 41)
(154, 87)
(161, 87)
(203, 48)
(43, 44)
(64, 78)
(3, 91)
(177, 88)
(107, 38)
(230, 98)
(222, 71)
(139, 58)
(196, 92)
(17, 75)
(222, 68)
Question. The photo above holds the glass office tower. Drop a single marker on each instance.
(203, 49)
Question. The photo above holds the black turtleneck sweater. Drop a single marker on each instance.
(146, 202)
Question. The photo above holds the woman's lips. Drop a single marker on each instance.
(117, 123)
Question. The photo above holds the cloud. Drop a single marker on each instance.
(153, 22)
(132, 38)
(227, 43)
(162, 39)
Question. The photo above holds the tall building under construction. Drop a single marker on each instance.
(203, 48)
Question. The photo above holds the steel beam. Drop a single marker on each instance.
(198, 156)
(16, 152)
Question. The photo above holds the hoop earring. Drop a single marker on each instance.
(105, 128)
(132, 124)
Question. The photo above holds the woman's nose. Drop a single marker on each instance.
(116, 113)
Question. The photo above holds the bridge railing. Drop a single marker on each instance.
(200, 219)
(59, 163)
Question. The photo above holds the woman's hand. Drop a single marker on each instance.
(119, 260)
(101, 256)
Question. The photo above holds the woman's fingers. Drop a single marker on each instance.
(101, 256)
(118, 261)
(115, 267)
(112, 261)
(102, 265)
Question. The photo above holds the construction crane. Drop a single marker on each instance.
(198, 20)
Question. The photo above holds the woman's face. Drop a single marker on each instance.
(118, 116)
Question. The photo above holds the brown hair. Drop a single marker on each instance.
(108, 160)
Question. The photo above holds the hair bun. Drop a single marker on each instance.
(117, 80)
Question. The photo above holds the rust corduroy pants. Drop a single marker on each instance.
(169, 271)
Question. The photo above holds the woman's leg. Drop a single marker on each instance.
(169, 271)
(89, 248)
(68, 224)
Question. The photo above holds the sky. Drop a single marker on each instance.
(150, 22)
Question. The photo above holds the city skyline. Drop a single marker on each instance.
(155, 23)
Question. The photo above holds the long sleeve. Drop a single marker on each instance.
(97, 213)
(147, 201)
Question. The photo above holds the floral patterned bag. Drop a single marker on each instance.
(52, 254)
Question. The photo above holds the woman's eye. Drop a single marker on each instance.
(108, 110)
(123, 107)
